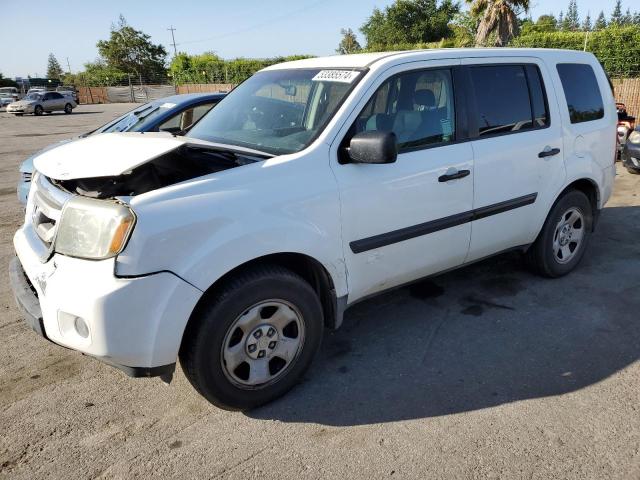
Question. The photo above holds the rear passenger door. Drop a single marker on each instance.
(518, 151)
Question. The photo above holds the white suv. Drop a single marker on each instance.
(313, 185)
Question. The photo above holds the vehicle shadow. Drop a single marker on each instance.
(478, 337)
(55, 114)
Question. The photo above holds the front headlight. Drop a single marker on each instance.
(93, 229)
(634, 137)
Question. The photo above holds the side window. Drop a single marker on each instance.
(199, 112)
(46, 96)
(185, 119)
(502, 99)
(417, 106)
(581, 91)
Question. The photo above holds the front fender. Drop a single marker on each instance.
(204, 228)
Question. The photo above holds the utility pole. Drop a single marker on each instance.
(175, 51)
(68, 66)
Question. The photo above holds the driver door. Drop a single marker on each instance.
(404, 220)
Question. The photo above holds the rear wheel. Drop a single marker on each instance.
(68, 108)
(37, 110)
(564, 236)
(251, 342)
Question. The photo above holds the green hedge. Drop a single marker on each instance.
(209, 68)
(617, 48)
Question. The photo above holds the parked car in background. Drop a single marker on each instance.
(170, 114)
(36, 90)
(6, 99)
(314, 185)
(631, 152)
(68, 91)
(8, 95)
(42, 102)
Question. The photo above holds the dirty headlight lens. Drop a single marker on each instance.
(93, 229)
(634, 137)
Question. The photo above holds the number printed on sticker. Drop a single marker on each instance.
(342, 76)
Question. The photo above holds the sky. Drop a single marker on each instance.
(241, 28)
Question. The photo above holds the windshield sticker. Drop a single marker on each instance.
(167, 105)
(340, 76)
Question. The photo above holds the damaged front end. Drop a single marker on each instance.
(179, 165)
(129, 164)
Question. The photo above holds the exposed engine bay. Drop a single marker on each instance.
(184, 163)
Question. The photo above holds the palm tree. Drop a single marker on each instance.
(499, 16)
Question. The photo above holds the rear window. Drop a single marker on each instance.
(581, 91)
(509, 98)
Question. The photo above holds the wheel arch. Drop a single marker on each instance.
(313, 271)
(590, 188)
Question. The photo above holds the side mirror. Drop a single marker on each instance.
(373, 147)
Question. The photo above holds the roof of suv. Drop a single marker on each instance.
(363, 60)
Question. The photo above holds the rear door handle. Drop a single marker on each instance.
(549, 152)
(453, 175)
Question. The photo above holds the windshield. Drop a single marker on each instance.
(279, 111)
(136, 120)
(33, 96)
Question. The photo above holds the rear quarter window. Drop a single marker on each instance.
(582, 92)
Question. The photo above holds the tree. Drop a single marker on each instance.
(131, 51)
(587, 25)
(349, 43)
(546, 23)
(601, 22)
(409, 22)
(616, 16)
(636, 18)
(464, 26)
(627, 18)
(54, 70)
(6, 82)
(499, 17)
(572, 19)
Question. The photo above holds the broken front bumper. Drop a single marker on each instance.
(134, 324)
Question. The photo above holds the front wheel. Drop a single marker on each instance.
(251, 341)
(68, 108)
(633, 171)
(564, 236)
(38, 110)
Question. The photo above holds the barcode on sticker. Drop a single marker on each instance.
(342, 76)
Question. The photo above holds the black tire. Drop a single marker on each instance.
(204, 338)
(540, 257)
(633, 171)
(38, 110)
(68, 108)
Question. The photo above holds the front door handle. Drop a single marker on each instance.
(453, 175)
(549, 152)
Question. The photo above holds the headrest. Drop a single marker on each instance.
(424, 98)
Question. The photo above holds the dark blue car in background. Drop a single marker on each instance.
(170, 114)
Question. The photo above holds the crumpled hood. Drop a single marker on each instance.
(113, 154)
(104, 155)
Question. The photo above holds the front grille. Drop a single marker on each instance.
(26, 177)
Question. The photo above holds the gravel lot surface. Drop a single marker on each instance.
(486, 372)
